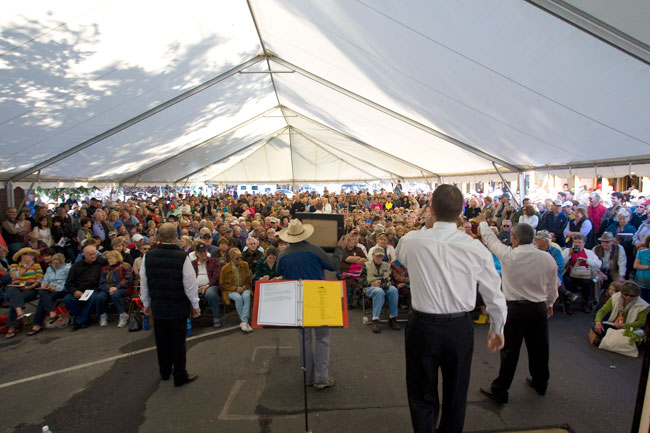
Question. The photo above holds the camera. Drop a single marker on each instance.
(384, 283)
(576, 250)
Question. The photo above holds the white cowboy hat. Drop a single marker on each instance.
(296, 232)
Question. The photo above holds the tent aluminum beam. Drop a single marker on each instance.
(320, 146)
(248, 146)
(356, 140)
(325, 147)
(137, 118)
(642, 159)
(395, 114)
(595, 27)
(205, 142)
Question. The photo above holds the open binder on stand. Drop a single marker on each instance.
(300, 304)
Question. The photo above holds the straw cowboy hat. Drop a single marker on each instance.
(26, 250)
(296, 232)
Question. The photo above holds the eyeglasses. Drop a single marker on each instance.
(505, 226)
(627, 295)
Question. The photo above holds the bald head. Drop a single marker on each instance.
(167, 233)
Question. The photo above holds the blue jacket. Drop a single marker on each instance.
(555, 224)
(57, 277)
(305, 261)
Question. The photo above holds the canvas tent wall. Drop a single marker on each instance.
(289, 90)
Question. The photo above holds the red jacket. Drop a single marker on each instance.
(595, 215)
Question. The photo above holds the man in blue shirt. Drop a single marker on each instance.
(554, 222)
(304, 261)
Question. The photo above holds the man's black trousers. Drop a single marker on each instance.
(435, 342)
(170, 343)
(526, 321)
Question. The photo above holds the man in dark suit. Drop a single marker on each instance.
(168, 289)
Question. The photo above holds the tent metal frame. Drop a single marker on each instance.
(360, 142)
(395, 114)
(323, 146)
(124, 125)
(595, 27)
(209, 141)
(264, 139)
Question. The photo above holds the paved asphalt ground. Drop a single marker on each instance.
(105, 380)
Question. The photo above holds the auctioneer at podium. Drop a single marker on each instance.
(304, 261)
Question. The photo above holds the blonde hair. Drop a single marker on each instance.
(234, 252)
(58, 256)
(115, 254)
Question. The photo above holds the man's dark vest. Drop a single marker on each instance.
(164, 267)
(613, 259)
(591, 238)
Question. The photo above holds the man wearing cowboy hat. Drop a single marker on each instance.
(304, 261)
(612, 256)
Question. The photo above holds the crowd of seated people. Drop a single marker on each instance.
(233, 243)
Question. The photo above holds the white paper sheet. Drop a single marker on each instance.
(277, 304)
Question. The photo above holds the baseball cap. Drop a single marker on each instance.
(557, 203)
(543, 234)
(201, 248)
(567, 204)
(112, 233)
(137, 237)
(379, 251)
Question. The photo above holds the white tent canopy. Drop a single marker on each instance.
(279, 91)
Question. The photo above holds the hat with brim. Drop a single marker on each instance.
(26, 250)
(606, 237)
(296, 232)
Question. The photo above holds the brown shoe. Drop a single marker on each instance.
(392, 322)
(375, 326)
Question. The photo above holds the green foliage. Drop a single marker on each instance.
(58, 193)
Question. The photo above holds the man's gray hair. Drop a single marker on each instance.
(523, 232)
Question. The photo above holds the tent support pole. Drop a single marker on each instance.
(394, 114)
(9, 185)
(268, 137)
(505, 183)
(28, 192)
(522, 187)
(137, 119)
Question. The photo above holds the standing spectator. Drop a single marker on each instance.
(580, 224)
(639, 216)
(528, 216)
(642, 266)
(596, 211)
(169, 291)
(529, 280)
(618, 201)
(554, 222)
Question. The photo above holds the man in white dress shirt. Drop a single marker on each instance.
(445, 266)
(529, 278)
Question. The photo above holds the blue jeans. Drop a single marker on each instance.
(317, 352)
(212, 298)
(242, 304)
(17, 298)
(81, 310)
(46, 303)
(378, 296)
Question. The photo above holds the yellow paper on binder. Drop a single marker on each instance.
(322, 303)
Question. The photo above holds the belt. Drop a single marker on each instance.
(524, 302)
(438, 317)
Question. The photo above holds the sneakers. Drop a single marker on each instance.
(216, 323)
(571, 297)
(375, 326)
(245, 327)
(327, 384)
(392, 322)
(124, 319)
(103, 319)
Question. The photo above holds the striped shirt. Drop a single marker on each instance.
(32, 274)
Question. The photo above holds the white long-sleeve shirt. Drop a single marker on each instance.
(189, 283)
(527, 274)
(445, 266)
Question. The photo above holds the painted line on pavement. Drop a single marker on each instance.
(267, 347)
(110, 359)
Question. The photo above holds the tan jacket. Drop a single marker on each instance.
(227, 279)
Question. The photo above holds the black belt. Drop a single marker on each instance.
(524, 302)
(438, 317)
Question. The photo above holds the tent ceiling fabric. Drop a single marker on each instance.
(522, 87)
